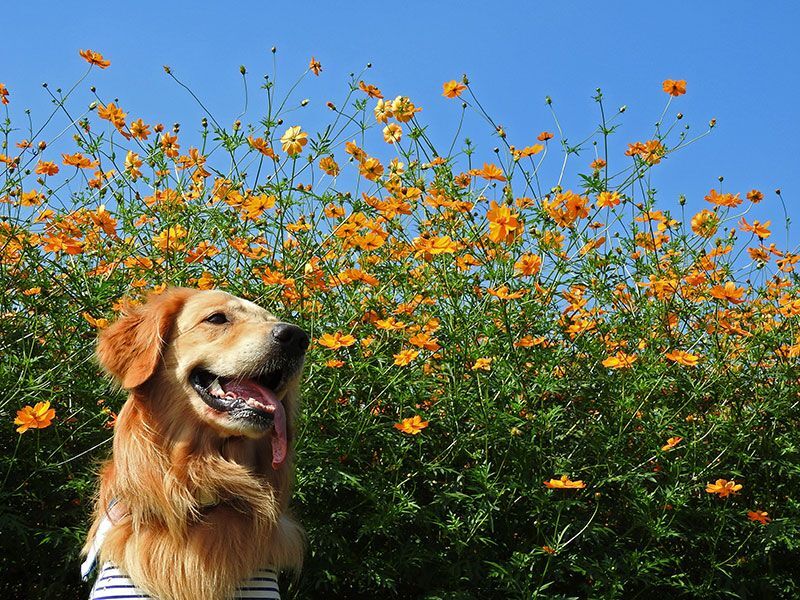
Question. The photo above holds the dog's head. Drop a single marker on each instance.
(237, 364)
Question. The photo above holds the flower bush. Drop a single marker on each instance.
(482, 323)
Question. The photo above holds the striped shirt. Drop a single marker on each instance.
(114, 584)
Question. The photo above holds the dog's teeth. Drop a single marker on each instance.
(215, 388)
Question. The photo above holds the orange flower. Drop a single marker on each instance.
(255, 206)
(3, 94)
(683, 358)
(46, 168)
(404, 357)
(544, 136)
(597, 164)
(94, 58)
(528, 264)
(504, 293)
(674, 88)
(31, 198)
(78, 160)
(759, 515)
(329, 165)
(504, 225)
(411, 425)
(370, 90)
(452, 89)
(371, 169)
(705, 223)
(566, 208)
(620, 360)
(262, 146)
(671, 443)
(565, 483)
(315, 66)
(113, 114)
(755, 196)
(423, 340)
(170, 145)
(723, 487)
(729, 200)
(728, 292)
(336, 341)
(139, 130)
(432, 246)
(489, 172)
(758, 228)
(98, 323)
(293, 140)
(34, 417)
(353, 150)
(608, 199)
(526, 151)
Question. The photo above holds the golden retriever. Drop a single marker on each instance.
(201, 471)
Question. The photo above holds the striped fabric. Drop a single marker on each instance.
(113, 584)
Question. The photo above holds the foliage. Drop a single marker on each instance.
(479, 330)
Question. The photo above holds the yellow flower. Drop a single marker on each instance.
(335, 341)
(565, 483)
(723, 487)
(392, 133)
(173, 238)
(34, 417)
(293, 140)
(403, 109)
(412, 425)
(483, 364)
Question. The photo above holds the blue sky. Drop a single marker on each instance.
(741, 61)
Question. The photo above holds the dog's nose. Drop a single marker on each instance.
(291, 337)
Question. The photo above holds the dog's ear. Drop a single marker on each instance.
(131, 347)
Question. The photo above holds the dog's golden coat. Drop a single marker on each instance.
(201, 506)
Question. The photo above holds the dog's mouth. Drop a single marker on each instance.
(252, 400)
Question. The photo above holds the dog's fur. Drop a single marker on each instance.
(200, 506)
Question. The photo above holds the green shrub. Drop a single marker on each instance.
(643, 353)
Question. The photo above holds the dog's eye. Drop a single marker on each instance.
(217, 319)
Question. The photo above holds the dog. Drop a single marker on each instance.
(194, 501)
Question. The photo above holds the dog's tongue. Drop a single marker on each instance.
(264, 399)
